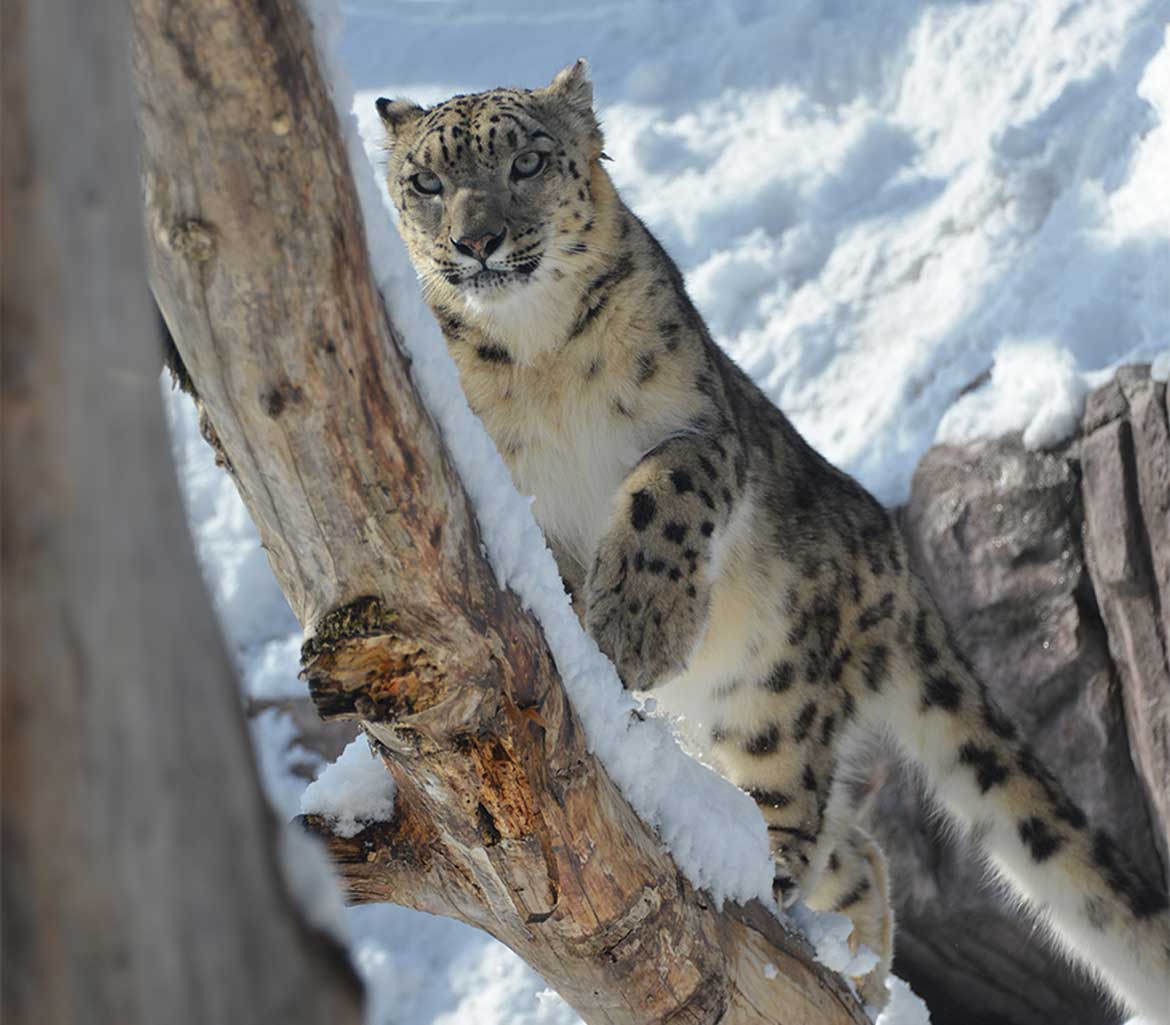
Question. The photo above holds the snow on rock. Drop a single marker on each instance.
(1035, 388)
(352, 792)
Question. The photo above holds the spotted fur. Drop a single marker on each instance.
(715, 557)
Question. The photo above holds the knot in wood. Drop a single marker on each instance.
(359, 667)
(192, 239)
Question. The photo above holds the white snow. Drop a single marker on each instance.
(829, 934)
(312, 881)
(1035, 388)
(353, 792)
(908, 221)
(273, 668)
(904, 1008)
(423, 970)
(252, 611)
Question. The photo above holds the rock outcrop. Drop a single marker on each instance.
(1125, 463)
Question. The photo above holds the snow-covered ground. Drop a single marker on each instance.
(908, 221)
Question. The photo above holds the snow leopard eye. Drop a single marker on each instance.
(427, 182)
(527, 164)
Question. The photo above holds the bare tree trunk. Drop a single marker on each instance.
(142, 878)
(503, 817)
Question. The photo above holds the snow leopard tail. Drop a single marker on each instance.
(1078, 883)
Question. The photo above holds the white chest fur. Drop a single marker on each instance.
(571, 424)
(573, 462)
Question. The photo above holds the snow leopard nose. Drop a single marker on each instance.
(479, 248)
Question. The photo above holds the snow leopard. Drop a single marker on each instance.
(760, 593)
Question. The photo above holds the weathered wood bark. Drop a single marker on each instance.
(503, 817)
(142, 880)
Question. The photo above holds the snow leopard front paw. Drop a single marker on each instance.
(647, 599)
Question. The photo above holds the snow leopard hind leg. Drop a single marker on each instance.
(856, 883)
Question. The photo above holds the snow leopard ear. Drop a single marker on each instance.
(397, 115)
(573, 86)
(571, 95)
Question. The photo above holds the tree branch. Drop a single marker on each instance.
(505, 820)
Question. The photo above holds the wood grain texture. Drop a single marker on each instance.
(504, 819)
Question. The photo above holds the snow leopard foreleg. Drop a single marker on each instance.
(649, 587)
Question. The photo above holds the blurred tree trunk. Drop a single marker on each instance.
(503, 819)
(142, 868)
